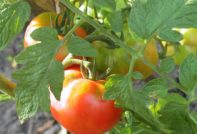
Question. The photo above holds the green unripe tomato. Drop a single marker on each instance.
(190, 39)
(118, 60)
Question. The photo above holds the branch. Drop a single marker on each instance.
(7, 86)
(39, 6)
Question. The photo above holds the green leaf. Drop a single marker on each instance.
(56, 84)
(116, 21)
(142, 113)
(13, 18)
(176, 117)
(121, 128)
(120, 4)
(137, 75)
(45, 35)
(193, 116)
(39, 71)
(118, 88)
(156, 88)
(188, 72)
(167, 65)
(171, 35)
(181, 53)
(5, 97)
(156, 106)
(81, 47)
(143, 130)
(159, 17)
(173, 98)
(8, 1)
(108, 5)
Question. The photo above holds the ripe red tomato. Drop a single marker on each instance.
(71, 73)
(81, 108)
(48, 19)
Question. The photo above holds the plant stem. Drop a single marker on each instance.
(130, 72)
(102, 38)
(7, 86)
(57, 6)
(98, 27)
(69, 62)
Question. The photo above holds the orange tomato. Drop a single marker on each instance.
(48, 19)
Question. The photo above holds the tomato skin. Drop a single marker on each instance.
(190, 39)
(117, 59)
(178, 54)
(151, 55)
(81, 32)
(82, 110)
(48, 19)
(72, 73)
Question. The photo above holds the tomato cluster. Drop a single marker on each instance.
(81, 108)
(48, 19)
(185, 47)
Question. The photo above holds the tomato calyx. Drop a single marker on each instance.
(82, 62)
(72, 61)
(64, 22)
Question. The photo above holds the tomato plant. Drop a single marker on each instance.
(93, 54)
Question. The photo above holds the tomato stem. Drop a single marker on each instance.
(130, 72)
(69, 56)
(86, 6)
(7, 86)
(162, 53)
(57, 6)
(71, 61)
(103, 38)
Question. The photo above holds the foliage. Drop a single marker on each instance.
(13, 18)
(152, 108)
